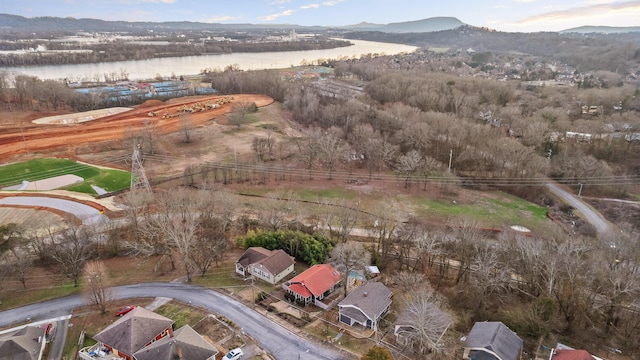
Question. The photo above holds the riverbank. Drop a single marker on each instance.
(190, 65)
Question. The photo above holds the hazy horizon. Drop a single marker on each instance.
(501, 15)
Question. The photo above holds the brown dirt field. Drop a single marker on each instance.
(20, 136)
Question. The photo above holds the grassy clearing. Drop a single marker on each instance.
(182, 315)
(219, 277)
(306, 193)
(39, 169)
(496, 209)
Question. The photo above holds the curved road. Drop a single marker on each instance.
(593, 217)
(280, 342)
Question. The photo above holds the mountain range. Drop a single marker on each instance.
(20, 24)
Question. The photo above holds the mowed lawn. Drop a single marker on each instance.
(39, 169)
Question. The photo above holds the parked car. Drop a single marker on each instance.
(124, 310)
(234, 354)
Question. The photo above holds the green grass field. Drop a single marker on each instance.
(39, 169)
(493, 209)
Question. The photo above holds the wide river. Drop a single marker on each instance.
(191, 65)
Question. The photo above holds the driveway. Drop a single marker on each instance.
(280, 342)
(593, 217)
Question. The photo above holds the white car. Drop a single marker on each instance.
(234, 354)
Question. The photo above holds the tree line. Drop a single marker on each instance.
(125, 51)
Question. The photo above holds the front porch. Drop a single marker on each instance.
(97, 352)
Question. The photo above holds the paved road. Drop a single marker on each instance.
(593, 217)
(280, 342)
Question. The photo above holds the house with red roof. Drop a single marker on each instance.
(564, 352)
(314, 284)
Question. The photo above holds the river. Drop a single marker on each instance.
(191, 65)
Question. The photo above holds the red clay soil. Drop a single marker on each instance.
(38, 138)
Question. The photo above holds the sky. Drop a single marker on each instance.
(501, 15)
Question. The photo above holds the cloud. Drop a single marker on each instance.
(275, 16)
(278, 2)
(317, 6)
(597, 10)
(223, 18)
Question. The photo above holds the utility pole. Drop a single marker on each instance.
(450, 157)
(580, 191)
(138, 177)
(235, 158)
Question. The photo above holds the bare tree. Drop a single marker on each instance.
(240, 111)
(186, 127)
(150, 134)
(331, 149)
(275, 210)
(385, 221)
(19, 262)
(348, 257)
(71, 249)
(339, 217)
(308, 151)
(426, 323)
(97, 285)
(210, 244)
(489, 276)
(408, 165)
(211, 241)
(264, 147)
(527, 256)
(463, 244)
(136, 206)
(571, 289)
(177, 221)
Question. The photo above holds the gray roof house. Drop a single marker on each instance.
(137, 329)
(26, 343)
(492, 341)
(365, 305)
(185, 344)
(268, 265)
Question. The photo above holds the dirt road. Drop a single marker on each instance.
(38, 138)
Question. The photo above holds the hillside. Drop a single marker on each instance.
(602, 30)
(20, 24)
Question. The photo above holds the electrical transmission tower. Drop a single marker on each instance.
(138, 177)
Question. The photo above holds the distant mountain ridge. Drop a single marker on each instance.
(418, 26)
(37, 24)
(602, 29)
